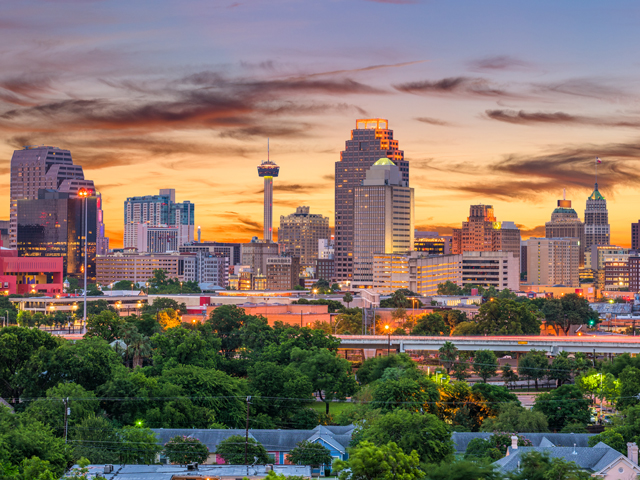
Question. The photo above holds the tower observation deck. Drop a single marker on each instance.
(267, 170)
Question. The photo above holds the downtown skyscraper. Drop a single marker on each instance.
(370, 140)
(596, 220)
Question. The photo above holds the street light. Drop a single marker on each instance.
(386, 327)
(84, 193)
(147, 284)
(180, 288)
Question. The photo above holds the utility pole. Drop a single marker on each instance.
(66, 417)
(246, 437)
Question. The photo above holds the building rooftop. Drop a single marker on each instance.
(596, 195)
(384, 161)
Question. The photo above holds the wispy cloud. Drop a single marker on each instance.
(434, 121)
(498, 62)
(522, 117)
(457, 86)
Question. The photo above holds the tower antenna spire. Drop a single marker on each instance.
(267, 149)
(564, 194)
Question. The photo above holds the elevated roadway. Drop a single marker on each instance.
(553, 345)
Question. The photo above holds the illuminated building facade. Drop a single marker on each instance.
(483, 233)
(596, 220)
(383, 218)
(138, 267)
(20, 275)
(52, 225)
(256, 253)
(553, 261)
(41, 167)
(300, 233)
(370, 140)
(635, 236)
(267, 170)
(616, 272)
(158, 211)
(565, 223)
(417, 272)
(491, 269)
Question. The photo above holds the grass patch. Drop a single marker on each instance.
(334, 407)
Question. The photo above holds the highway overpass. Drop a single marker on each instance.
(553, 345)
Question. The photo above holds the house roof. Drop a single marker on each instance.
(166, 472)
(272, 440)
(592, 459)
(461, 439)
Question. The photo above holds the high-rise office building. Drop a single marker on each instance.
(5, 227)
(617, 272)
(283, 273)
(635, 236)
(431, 243)
(416, 271)
(370, 140)
(596, 220)
(256, 253)
(483, 233)
(41, 167)
(267, 170)
(52, 225)
(299, 234)
(138, 267)
(553, 261)
(157, 211)
(491, 269)
(565, 223)
(383, 218)
(163, 239)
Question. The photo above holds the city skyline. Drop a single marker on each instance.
(178, 104)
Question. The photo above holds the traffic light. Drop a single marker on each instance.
(592, 323)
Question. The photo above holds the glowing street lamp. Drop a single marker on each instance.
(84, 193)
(386, 328)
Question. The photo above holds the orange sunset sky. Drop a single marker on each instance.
(503, 104)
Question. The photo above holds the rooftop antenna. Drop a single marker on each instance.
(268, 155)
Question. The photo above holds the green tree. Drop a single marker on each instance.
(89, 362)
(182, 450)
(449, 288)
(123, 285)
(330, 375)
(461, 367)
(309, 453)
(96, 439)
(387, 462)
(35, 469)
(448, 354)
(138, 345)
(463, 470)
(7, 307)
(180, 346)
(494, 396)
(561, 369)
(430, 324)
(373, 368)
(105, 325)
(139, 446)
(347, 298)
(411, 394)
(533, 366)
(514, 418)
(465, 328)
(17, 347)
(453, 318)
(563, 405)
(50, 410)
(163, 303)
(493, 447)
(225, 321)
(508, 375)
(424, 433)
(485, 364)
(540, 466)
(612, 438)
(508, 317)
(232, 449)
(629, 387)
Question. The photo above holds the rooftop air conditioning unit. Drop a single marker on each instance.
(108, 469)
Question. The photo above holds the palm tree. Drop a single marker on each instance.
(138, 345)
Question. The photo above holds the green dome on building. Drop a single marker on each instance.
(384, 161)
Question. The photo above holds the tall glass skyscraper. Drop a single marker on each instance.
(370, 141)
(39, 167)
(52, 225)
